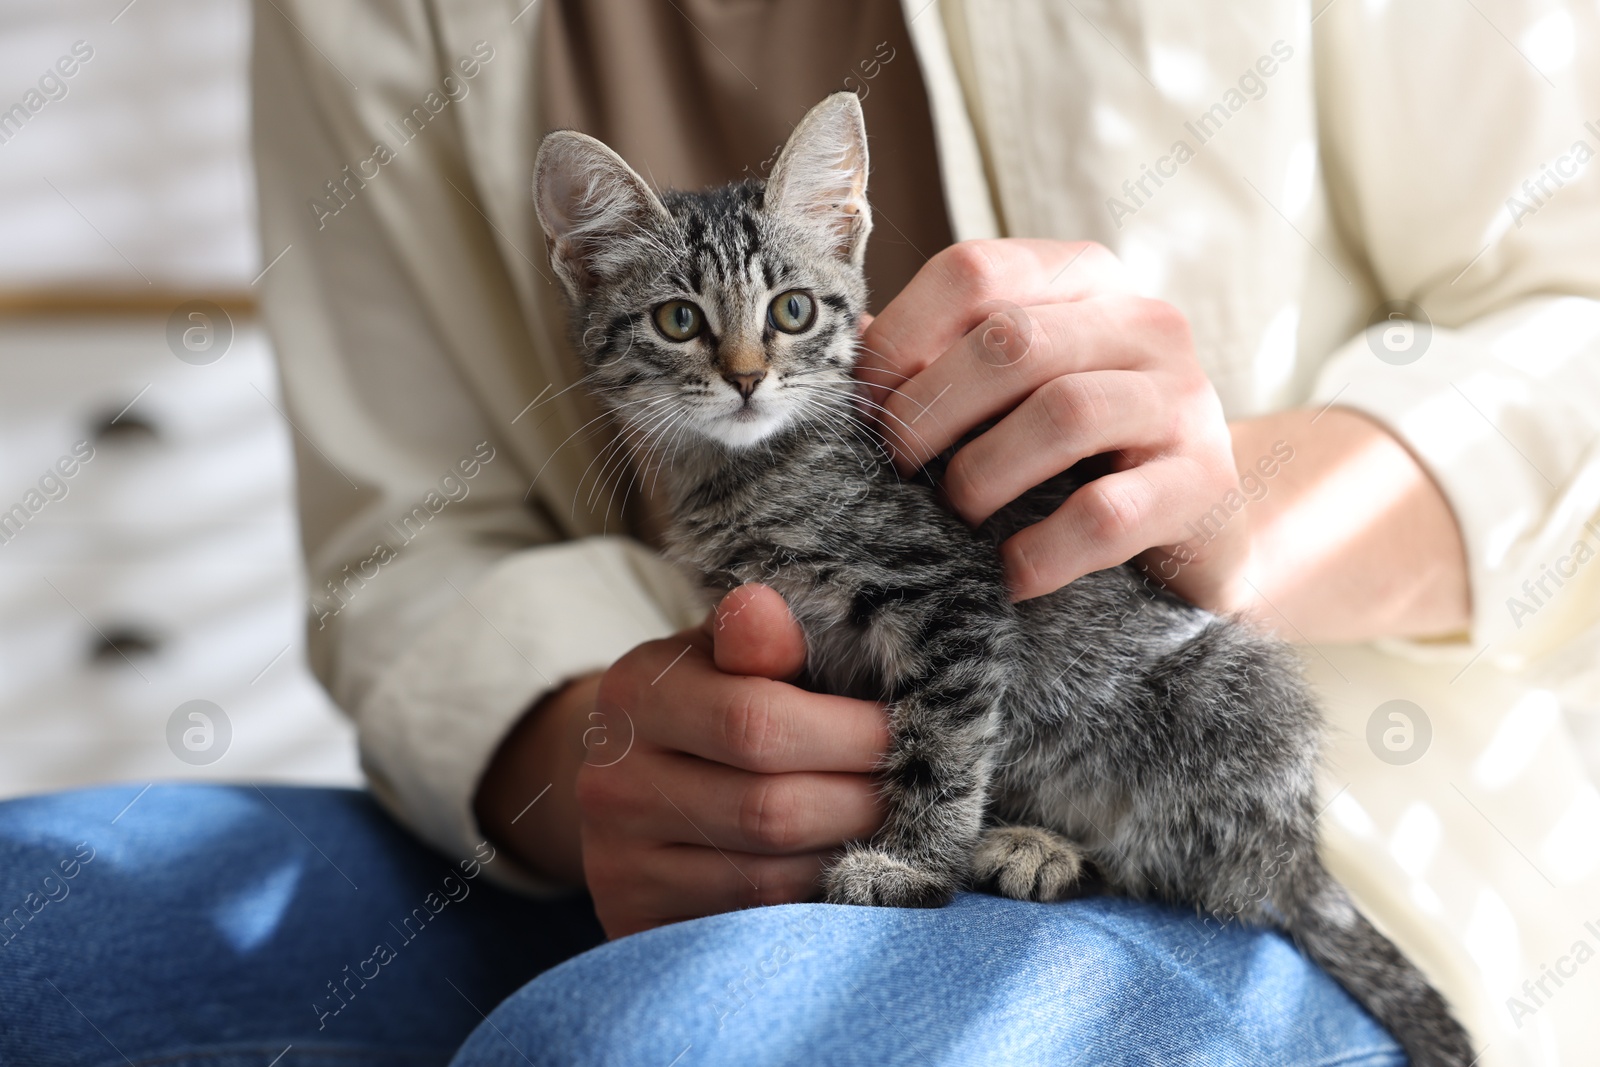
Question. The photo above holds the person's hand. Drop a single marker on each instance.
(738, 786)
(1048, 338)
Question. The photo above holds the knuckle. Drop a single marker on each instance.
(1150, 394)
(1203, 412)
(1070, 403)
(887, 360)
(1161, 320)
(616, 685)
(1008, 337)
(1219, 482)
(973, 267)
(1025, 570)
(600, 791)
(1175, 430)
(751, 727)
(767, 814)
(1191, 420)
(1111, 512)
(960, 484)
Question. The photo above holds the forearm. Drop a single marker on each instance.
(1351, 540)
(543, 752)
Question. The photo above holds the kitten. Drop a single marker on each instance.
(1109, 731)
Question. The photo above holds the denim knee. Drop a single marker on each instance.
(984, 981)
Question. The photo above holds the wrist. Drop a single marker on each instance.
(1350, 539)
(526, 801)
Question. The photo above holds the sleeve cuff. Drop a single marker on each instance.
(1506, 450)
(534, 622)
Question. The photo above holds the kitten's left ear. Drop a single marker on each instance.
(820, 178)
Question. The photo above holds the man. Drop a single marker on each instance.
(531, 682)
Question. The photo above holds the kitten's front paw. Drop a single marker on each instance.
(873, 877)
(1026, 863)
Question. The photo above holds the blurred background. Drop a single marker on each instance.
(151, 603)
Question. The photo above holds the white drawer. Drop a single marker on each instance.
(185, 535)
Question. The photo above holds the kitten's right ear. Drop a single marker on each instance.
(592, 206)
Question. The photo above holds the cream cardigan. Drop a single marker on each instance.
(1277, 176)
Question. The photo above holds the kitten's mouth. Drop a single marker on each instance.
(746, 422)
(749, 405)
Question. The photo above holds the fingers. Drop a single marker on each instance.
(677, 698)
(670, 797)
(1105, 523)
(1061, 422)
(735, 786)
(754, 634)
(957, 289)
(639, 888)
(994, 367)
(772, 728)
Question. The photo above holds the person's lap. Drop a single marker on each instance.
(214, 920)
(233, 925)
(1099, 982)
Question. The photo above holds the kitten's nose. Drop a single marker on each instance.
(746, 382)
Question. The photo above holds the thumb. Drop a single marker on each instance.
(754, 634)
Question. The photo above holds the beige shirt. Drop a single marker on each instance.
(1273, 177)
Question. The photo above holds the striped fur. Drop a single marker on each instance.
(1108, 735)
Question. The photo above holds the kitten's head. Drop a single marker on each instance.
(729, 314)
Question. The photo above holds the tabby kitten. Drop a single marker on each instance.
(1108, 731)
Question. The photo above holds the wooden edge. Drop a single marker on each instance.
(47, 302)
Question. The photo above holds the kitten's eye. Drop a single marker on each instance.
(793, 311)
(679, 320)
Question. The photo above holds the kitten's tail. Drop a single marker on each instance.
(1327, 926)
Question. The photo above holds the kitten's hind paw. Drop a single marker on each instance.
(873, 877)
(1027, 863)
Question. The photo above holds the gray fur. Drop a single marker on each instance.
(1107, 735)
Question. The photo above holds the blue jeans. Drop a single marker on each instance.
(235, 925)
